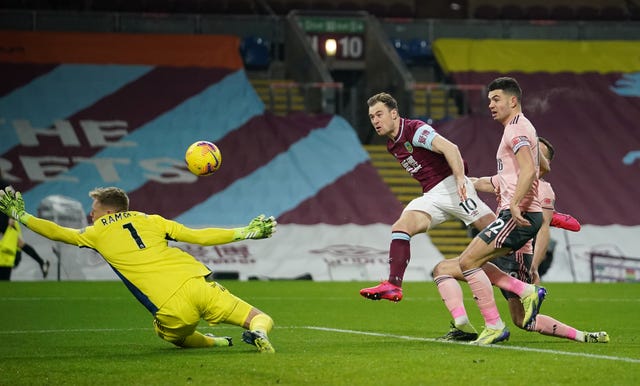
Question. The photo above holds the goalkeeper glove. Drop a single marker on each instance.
(12, 204)
(260, 227)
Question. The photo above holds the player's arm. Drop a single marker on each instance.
(542, 243)
(545, 166)
(51, 230)
(451, 153)
(483, 184)
(12, 204)
(526, 176)
(259, 228)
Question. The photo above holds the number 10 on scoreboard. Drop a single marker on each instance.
(348, 47)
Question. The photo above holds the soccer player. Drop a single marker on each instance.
(437, 165)
(521, 264)
(520, 213)
(170, 283)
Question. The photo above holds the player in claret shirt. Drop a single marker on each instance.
(437, 165)
(175, 287)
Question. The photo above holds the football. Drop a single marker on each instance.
(203, 158)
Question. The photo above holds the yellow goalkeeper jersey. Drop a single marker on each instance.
(136, 246)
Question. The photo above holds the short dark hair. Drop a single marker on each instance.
(385, 98)
(111, 197)
(508, 85)
(552, 151)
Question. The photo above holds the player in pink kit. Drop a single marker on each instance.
(436, 163)
(520, 213)
(522, 264)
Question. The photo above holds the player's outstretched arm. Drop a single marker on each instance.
(12, 204)
(260, 227)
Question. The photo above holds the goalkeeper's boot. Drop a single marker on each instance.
(221, 340)
(596, 337)
(532, 305)
(491, 336)
(458, 334)
(384, 290)
(258, 339)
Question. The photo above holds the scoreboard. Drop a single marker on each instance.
(348, 34)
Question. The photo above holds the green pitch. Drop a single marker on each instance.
(95, 333)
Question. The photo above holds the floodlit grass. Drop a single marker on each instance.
(81, 333)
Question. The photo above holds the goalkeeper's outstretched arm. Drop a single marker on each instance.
(260, 227)
(12, 204)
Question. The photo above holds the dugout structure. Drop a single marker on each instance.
(607, 268)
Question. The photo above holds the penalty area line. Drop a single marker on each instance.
(514, 348)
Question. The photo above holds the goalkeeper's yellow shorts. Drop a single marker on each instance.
(198, 299)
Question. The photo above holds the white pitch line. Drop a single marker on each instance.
(343, 331)
(515, 348)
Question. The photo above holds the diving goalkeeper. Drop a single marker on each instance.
(169, 282)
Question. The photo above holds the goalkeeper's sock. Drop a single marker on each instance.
(261, 322)
(198, 340)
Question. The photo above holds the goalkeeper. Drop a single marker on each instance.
(169, 282)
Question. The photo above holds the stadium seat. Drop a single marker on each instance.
(402, 48)
(420, 51)
(255, 52)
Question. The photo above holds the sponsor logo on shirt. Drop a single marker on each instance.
(411, 165)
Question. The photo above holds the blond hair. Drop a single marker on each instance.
(111, 197)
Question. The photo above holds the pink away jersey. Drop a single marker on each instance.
(412, 148)
(519, 135)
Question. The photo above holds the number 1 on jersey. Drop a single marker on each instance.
(134, 233)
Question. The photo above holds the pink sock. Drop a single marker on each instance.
(451, 294)
(502, 280)
(483, 295)
(546, 325)
(399, 256)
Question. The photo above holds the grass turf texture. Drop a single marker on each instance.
(96, 333)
